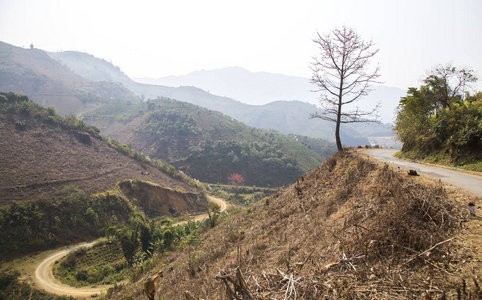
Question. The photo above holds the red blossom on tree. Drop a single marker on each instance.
(236, 179)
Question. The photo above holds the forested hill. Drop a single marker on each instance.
(208, 145)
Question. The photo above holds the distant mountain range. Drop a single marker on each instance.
(259, 88)
(34, 73)
(76, 82)
(291, 117)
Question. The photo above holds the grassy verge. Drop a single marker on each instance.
(469, 163)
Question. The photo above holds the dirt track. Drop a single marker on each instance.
(218, 201)
(44, 279)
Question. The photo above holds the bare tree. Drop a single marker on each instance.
(340, 72)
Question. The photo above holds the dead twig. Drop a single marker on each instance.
(428, 250)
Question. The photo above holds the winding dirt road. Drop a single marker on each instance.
(468, 182)
(44, 278)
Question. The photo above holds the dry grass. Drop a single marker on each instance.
(40, 162)
(351, 229)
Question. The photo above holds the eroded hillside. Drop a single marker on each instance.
(40, 158)
(351, 229)
(157, 200)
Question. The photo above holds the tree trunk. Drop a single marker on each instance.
(337, 137)
(338, 120)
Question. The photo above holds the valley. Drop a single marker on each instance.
(194, 139)
(279, 237)
(149, 171)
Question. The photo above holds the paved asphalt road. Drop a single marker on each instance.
(465, 181)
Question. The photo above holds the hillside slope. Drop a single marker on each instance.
(34, 73)
(350, 229)
(39, 159)
(207, 145)
(62, 182)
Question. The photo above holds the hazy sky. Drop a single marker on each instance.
(175, 37)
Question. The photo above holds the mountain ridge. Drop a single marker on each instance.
(260, 88)
(34, 73)
(233, 108)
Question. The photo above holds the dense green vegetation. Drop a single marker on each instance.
(14, 289)
(195, 139)
(46, 223)
(260, 164)
(440, 122)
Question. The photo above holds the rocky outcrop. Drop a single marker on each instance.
(157, 200)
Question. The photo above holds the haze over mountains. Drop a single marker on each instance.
(76, 82)
(259, 88)
(284, 115)
(34, 73)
